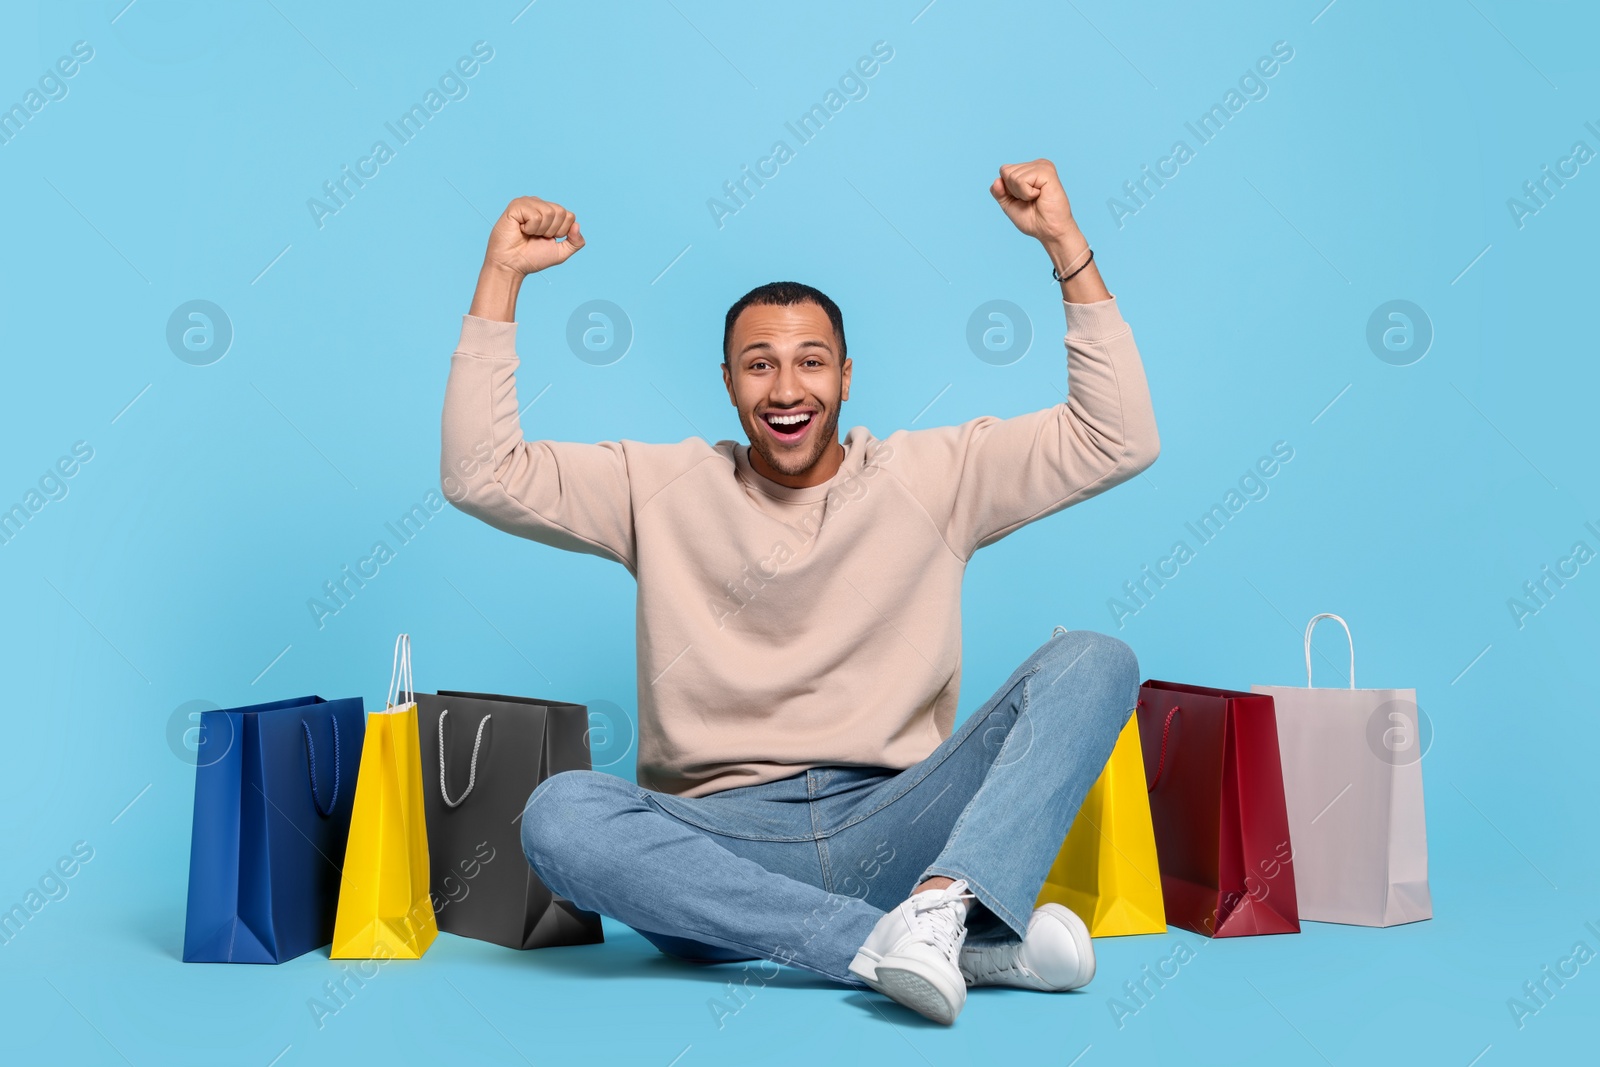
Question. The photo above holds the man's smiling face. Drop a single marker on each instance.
(785, 377)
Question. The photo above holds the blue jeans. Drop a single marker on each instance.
(800, 869)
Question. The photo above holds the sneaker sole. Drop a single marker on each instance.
(905, 987)
(912, 990)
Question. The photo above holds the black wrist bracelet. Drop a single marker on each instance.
(1054, 273)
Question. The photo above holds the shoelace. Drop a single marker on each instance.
(939, 921)
(991, 961)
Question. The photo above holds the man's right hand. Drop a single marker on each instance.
(525, 239)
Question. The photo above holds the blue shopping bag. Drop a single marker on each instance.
(272, 798)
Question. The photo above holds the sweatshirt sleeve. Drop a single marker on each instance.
(567, 495)
(982, 479)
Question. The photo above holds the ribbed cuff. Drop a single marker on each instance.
(489, 338)
(1094, 322)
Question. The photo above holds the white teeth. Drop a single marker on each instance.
(788, 420)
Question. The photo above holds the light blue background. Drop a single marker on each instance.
(178, 566)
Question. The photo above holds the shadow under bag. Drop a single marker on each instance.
(482, 756)
(272, 798)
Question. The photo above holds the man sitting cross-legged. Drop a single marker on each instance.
(803, 795)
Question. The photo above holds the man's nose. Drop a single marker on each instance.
(787, 390)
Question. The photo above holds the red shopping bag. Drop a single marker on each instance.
(1216, 802)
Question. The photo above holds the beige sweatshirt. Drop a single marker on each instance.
(781, 629)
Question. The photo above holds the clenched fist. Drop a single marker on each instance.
(1031, 196)
(526, 238)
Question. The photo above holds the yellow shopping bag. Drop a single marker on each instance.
(385, 911)
(1106, 870)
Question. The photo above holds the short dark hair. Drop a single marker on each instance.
(784, 294)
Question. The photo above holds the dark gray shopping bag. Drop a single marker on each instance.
(482, 756)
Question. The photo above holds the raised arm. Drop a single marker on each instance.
(984, 478)
(564, 494)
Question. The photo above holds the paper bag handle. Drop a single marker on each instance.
(1161, 761)
(400, 681)
(472, 772)
(311, 762)
(1313, 625)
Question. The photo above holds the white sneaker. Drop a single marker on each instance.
(1057, 955)
(912, 955)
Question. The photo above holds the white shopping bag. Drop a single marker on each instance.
(1352, 780)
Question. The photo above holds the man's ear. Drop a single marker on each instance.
(727, 383)
(844, 390)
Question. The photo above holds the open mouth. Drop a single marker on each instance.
(789, 427)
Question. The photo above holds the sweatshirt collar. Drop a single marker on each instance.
(789, 494)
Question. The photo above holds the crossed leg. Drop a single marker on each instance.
(799, 871)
